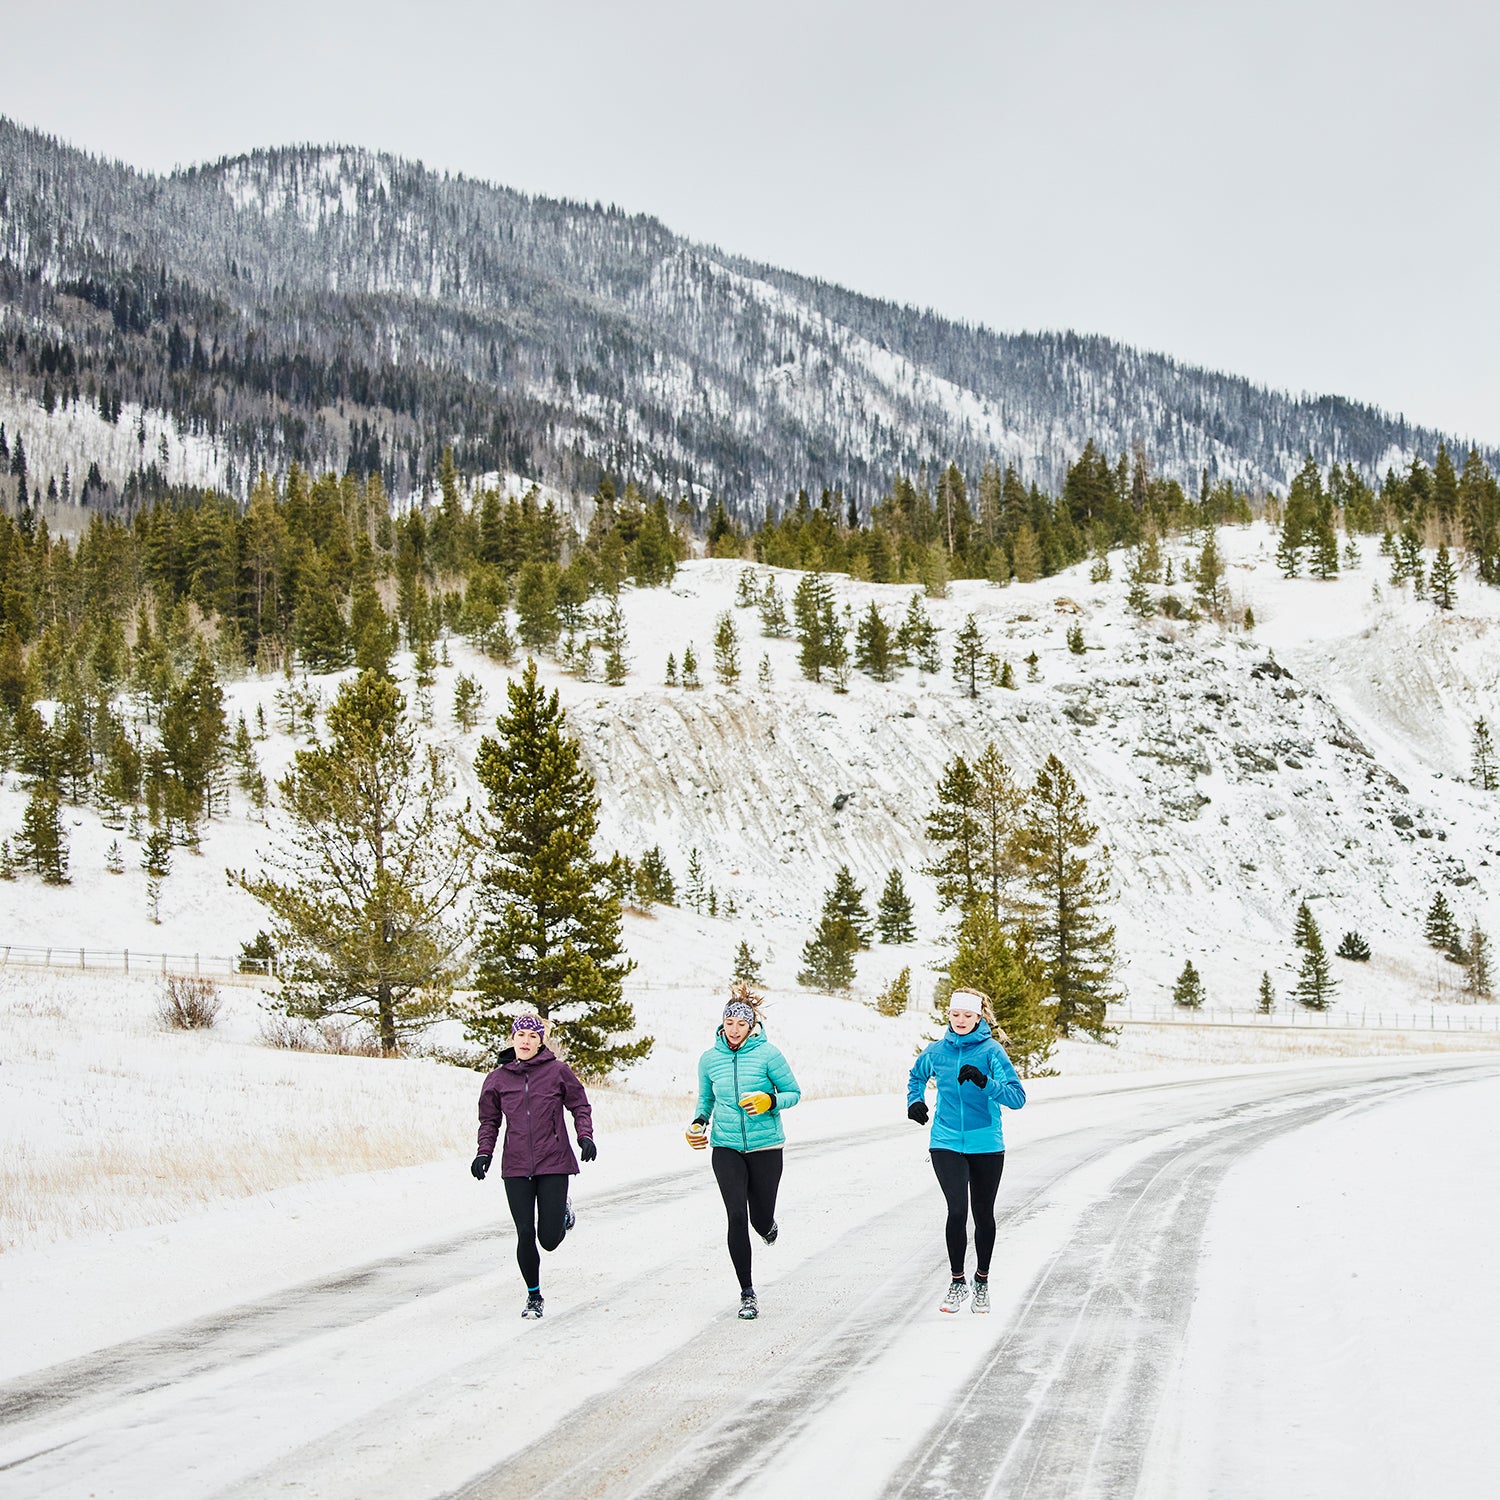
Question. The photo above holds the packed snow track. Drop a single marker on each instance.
(415, 1376)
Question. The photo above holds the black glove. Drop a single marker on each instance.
(480, 1165)
(917, 1111)
(586, 1148)
(701, 1120)
(970, 1074)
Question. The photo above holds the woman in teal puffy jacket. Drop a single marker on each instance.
(744, 1085)
(974, 1079)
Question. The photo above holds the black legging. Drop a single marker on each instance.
(748, 1181)
(967, 1179)
(537, 1204)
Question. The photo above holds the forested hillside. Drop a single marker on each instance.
(354, 312)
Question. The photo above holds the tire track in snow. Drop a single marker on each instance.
(1065, 1406)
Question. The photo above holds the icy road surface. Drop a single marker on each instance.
(1096, 1374)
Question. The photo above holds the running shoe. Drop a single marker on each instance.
(770, 1235)
(533, 1308)
(958, 1290)
(749, 1307)
(981, 1302)
(569, 1217)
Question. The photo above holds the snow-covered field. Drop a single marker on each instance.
(152, 1177)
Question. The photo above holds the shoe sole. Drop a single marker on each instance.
(748, 1317)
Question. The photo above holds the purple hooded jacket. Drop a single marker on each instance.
(530, 1097)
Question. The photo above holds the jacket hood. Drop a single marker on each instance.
(757, 1038)
(980, 1034)
(543, 1054)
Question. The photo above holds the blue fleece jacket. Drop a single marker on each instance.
(967, 1118)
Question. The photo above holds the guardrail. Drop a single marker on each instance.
(1299, 1017)
(125, 961)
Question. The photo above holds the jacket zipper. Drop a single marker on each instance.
(530, 1132)
(744, 1132)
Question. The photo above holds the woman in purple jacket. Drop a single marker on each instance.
(529, 1091)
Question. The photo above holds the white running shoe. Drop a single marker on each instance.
(749, 1307)
(981, 1302)
(957, 1292)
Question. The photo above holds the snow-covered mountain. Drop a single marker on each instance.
(352, 309)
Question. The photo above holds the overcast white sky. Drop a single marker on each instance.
(1301, 191)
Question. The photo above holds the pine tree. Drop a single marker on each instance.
(322, 640)
(695, 890)
(1479, 970)
(1010, 971)
(1440, 929)
(468, 702)
(42, 844)
(114, 858)
(746, 967)
(1188, 991)
(1075, 640)
(1305, 930)
(846, 901)
(813, 610)
(1077, 946)
(746, 590)
(763, 673)
(690, 678)
(828, 956)
(1315, 983)
(1325, 549)
(917, 638)
(874, 651)
(1266, 999)
(968, 656)
(954, 827)
(1289, 546)
(368, 889)
(1444, 579)
(894, 998)
(653, 880)
(773, 616)
(1353, 946)
(893, 913)
(726, 650)
(1486, 774)
(670, 677)
(156, 854)
(550, 930)
(613, 640)
(1209, 587)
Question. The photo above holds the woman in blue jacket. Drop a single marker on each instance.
(974, 1079)
(744, 1084)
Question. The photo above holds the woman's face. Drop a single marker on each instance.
(963, 1021)
(526, 1043)
(736, 1029)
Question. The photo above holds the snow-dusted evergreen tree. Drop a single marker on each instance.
(1069, 878)
(1486, 773)
(1440, 929)
(874, 649)
(773, 616)
(670, 677)
(893, 912)
(1075, 640)
(468, 701)
(828, 956)
(894, 998)
(917, 638)
(1208, 586)
(653, 879)
(614, 640)
(1266, 996)
(1354, 947)
(846, 901)
(1478, 966)
(367, 890)
(549, 939)
(695, 890)
(42, 845)
(968, 658)
(1006, 967)
(726, 650)
(1315, 982)
(1444, 579)
(690, 677)
(746, 965)
(953, 826)
(1188, 991)
(1305, 928)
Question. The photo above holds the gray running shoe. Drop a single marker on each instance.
(749, 1307)
(958, 1291)
(981, 1302)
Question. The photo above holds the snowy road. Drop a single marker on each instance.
(413, 1376)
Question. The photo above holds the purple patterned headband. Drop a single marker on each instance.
(529, 1023)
